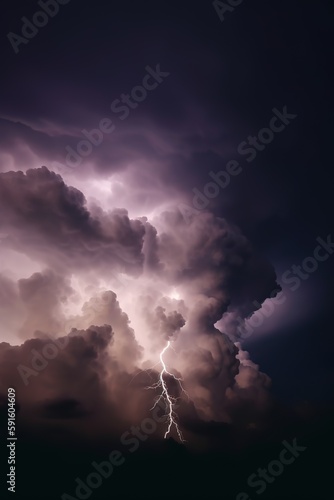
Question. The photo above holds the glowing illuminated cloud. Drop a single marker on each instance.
(160, 282)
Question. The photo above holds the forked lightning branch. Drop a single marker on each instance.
(170, 401)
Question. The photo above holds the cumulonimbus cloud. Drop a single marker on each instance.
(175, 279)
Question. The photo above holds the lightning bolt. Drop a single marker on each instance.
(169, 400)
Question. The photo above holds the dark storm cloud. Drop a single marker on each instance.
(24, 143)
(100, 260)
(230, 274)
(51, 111)
(88, 389)
(84, 354)
(216, 95)
(47, 214)
(84, 380)
(204, 257)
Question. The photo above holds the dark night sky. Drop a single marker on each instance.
(224, 80)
